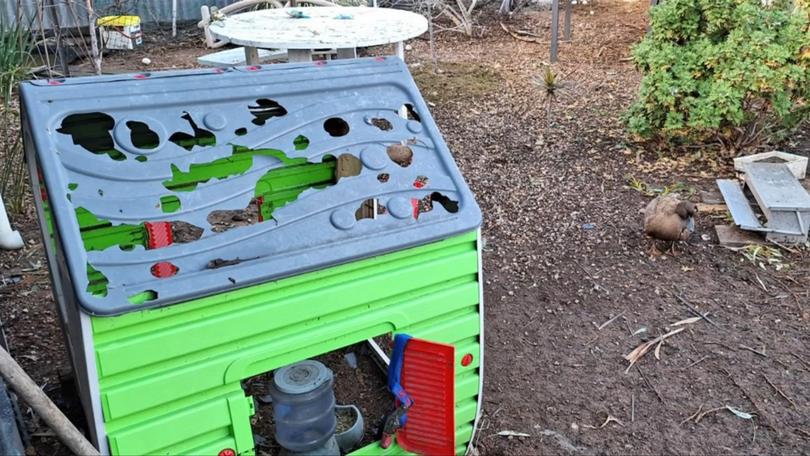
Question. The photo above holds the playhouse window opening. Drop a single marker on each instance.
(92, 132)
(336, 127)
(358, 381)
(411, 113)
(142, 136)
(265, 109)
(200, 136)
(369, 209)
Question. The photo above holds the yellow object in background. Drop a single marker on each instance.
(120, 32)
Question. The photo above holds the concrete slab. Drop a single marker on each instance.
(795, 163)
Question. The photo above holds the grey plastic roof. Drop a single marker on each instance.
(315, 231)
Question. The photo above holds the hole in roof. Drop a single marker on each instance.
(92, 132)
(382, 123)
(265, 109)
(347, 166)
(449, 205)
(420, 181)
(100, 234)
(301, 142)
(217, 263)
(141, 158)
(143, 297)
(427, 203)
(282, 185)
(184, 232)
(383, 177)
(73, 186)
(238, 163)
(163, 270)
(410, 112)
(240, 131)
(369, 209)
(142, 136)
(336, 127)
(169, 203)
(201, 137)
(96, 282)
(224, 220)
(400, 154)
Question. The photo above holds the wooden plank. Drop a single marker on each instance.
(731, 236)
(712, 208)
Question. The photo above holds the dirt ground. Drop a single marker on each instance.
(570, 284)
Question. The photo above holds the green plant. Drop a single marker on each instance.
(732, 71)
(551, 87)
(763, 255)
(15, 59)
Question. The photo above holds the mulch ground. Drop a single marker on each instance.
(570, 284)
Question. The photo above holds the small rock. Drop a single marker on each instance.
(146, 61)
(351, 359)
(408, 47)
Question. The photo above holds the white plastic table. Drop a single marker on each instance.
(344, 28)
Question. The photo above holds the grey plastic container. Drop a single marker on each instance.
(303, 406)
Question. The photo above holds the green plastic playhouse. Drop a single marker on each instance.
(204, 227)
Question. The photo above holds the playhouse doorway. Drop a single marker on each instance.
(359, 380)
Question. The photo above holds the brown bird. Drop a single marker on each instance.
(667, 218)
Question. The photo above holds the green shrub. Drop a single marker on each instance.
(732, 71)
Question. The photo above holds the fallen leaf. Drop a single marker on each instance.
(743, 415)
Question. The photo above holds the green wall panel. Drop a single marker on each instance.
(170, 377)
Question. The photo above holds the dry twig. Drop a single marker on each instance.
(700, 417)
(518, 36)
(610, 321)
(644, 377)
(697, 362)
(745, 347)
(692, 308)
(692, 416)
(779, 391)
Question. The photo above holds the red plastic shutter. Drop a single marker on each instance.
(428, 375)
(159, 234)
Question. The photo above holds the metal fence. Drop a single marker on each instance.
(72, 13)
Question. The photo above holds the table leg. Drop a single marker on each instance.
(251, 55)
(347, 53)
(299, 55)
(401, 50)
